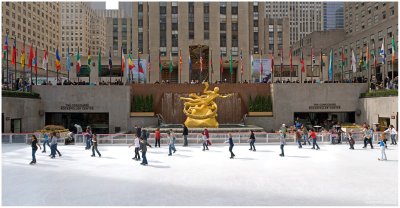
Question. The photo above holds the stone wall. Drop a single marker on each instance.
(372, 108)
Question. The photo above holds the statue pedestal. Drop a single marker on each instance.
(201, 123)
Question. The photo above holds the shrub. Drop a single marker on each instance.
(7, 93)
(379, 93)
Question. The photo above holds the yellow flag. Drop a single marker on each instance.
(22, 58)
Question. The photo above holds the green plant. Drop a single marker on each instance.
(7, 93)
(379, 93)
(251, 105)
(260, 104)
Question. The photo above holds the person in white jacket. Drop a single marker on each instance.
(392, 131)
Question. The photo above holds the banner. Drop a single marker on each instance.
(255, 74)
(143, 76)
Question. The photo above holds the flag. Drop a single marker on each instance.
(302, 62)
(5, 49)
(281, 62)
(361, 62)
(353, 61)
(140, 64)
(393, 49)
(241, 62)
(159, 62)
(230, 64)
(330, 65)
(30, 57)
(291, 63)
(222, 67)
(14, 52)
(23, 56)
(374, 54)
(34, 60)
(272, 63)
(252, 62)
(78, 62)
(342, 61)
(68, 60)
(201, 62)
(321, 61)
(382, 52)
(313, 59)
(180, 60)
(149, 64)
(45, 60)
(88, 58)
(211, 64)
(122, 62)
(131, 65)
(98, 63)
(58, 61)
(261, 66)
(190, 65)
(171, 66)
(109, 61)
(367, 57)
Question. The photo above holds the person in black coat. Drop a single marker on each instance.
(230, 141)
(185, 135)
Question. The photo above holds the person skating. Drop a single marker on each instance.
(305, 135)
(171, 144)
(35, 145)
(230, 141)
(282, 141)
(368, 136)
(88, 137)
(157, 135)
(382, 146)
(53, 145)
(298, 137)
(45, 141)
(205, 143)
(392, 131)
(351, 140)
(143, 147)
(313, 136)
(94, 146)
(137, 148)
(208, 137)
(252, 141)
(185, 135)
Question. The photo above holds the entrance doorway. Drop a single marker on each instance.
(98, 122)
(324, 119)
(16, 125)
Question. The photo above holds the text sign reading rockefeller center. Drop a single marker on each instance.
(324, 106)
(76, 107)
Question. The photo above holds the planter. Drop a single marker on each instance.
(142, 114)
(269, 114)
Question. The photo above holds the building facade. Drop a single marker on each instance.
(333, 15)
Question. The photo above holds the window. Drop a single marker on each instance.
(222, 8)
(234, 26)
(271, 28)
(380, 35)
(389, 32)
(222, 26)
(255, 35)
(223, 40)
(384, 15)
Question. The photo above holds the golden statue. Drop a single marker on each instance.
(201, 111)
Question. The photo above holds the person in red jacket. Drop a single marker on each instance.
(208, 136)
(158, 137)
(313, 136)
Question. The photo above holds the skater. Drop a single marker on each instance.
(205, 143)
(185, 135)
(35, 146)
(53, 146)
(230, 141)
(171, 144)
(88, 137)
(368, 136)
(94, 146)
(208, 137)
(392, 131)
(382, 146)
(282, 140)
(137, 148)
(143, 146)
(298, 137)
(305, 135)
(46, 141)
(157, 135)
(252, 141)
(138, 131)
(351, 140)
(314, 139)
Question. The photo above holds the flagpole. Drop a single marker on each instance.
(312, 66)
(122, 70)
(68, 63)
(110, 66)
(47, 65)
(57, 70)
(231, 67)
(36, 64)
(8, 79)
(201, 62)
(149, 67)
(138, 69)
(342, 63)
(31, 69)
(180, 67)
(23, 75)
(15, 64)
(291, 67)
(212, 69)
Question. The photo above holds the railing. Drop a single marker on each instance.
(194, 138)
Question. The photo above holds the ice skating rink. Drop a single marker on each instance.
(333, 175)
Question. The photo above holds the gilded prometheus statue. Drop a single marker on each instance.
(201, 111)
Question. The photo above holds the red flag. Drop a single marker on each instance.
(35, 60)
(140, 65)
(302, 62)
(30, 57)
(14, 52)
(272, 63)
(180, 60)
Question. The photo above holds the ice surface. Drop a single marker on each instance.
(333, 175)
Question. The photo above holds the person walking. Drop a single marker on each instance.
(185, 135)
(351, 140)
(94, 146)
(46, 141)
(53, 146)
(282, 141)
(392, 131)
(171, 144)
(205, 143)
(314, 138)
(298, 137)
(137, 148)
(382, 146)
(368, 136)
(230, 141)
(143, 146)
(252, 141)
(157, 135)
(305, 135)
(88, 137)
(35, 145)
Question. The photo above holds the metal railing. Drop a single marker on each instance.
(194, 138)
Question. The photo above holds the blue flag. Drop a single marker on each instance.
(330, 65)
(68, 61)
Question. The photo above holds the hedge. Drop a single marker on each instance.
(143, 103)
(379, 93)
(260, 104)
(7, 93)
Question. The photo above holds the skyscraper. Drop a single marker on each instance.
(333, 15)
